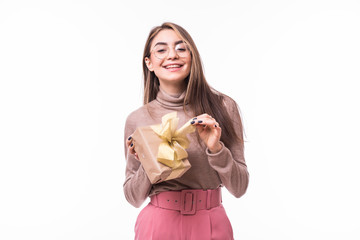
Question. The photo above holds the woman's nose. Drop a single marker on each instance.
(172, 53)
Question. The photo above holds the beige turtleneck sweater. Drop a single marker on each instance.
(208, 171)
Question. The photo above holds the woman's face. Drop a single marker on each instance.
(170, 59)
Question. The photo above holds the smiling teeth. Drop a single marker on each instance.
(173, 66)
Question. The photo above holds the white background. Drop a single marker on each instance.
(71, 72)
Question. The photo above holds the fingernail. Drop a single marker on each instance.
(192, 122)
(194, 118)
(131, 145)
(200, 121)
(129, 138)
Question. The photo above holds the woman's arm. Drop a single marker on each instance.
(137, 185)
(229, 162)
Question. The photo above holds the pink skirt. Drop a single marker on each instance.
(169, 216)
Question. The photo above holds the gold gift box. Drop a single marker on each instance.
(161, 149)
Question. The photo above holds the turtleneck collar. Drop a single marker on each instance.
(170, 100)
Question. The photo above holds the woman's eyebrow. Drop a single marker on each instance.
(165, 43)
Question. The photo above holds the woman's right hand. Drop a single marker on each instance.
(131, 146)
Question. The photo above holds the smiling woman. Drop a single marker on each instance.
(187, 207)
(170, 62)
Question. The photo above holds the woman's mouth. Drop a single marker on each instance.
(173, 67)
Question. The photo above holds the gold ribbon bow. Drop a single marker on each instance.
(172, 149)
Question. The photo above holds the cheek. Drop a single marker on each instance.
(156, 63)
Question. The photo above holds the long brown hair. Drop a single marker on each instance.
(201, 97)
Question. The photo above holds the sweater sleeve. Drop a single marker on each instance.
(137, 185)
(229, 162)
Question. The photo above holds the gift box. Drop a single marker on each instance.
(161, 148)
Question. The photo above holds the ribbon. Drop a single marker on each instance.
(172, 149)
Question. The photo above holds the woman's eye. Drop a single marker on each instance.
(161, 50)
(181, 47)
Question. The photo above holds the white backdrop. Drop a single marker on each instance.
(71, 72)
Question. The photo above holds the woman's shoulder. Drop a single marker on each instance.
(138, 113)
(134, 119)
(140, 116)
(229, 103)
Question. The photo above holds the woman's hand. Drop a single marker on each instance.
(131, 146)
(209, 131)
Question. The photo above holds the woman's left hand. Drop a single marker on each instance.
(209, 131)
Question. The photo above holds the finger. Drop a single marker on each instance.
(132, 148)
(203, 118)
(201, 128)
(129, 140)
(206, 122)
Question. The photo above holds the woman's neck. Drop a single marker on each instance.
(173, 89)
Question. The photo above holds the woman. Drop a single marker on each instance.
(188, 207)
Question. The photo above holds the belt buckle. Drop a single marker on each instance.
(188, 202)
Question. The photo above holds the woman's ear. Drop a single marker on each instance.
(149, 64)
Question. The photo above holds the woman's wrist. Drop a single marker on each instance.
(216, 148)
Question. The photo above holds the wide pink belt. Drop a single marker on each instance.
(188, 201)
